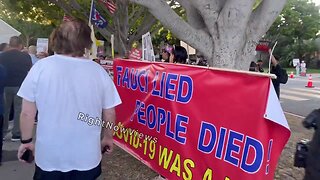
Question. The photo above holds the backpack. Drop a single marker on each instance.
(283, 78)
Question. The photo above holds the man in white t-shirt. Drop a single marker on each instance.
(74, 97)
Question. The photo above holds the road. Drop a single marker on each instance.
(297, 99)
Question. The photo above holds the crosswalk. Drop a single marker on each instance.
(300, 94)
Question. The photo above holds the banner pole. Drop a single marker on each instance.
(112, 46)
(271, 56)
(90, 12)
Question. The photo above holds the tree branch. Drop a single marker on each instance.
(263, 17)
(147, 24)
(136, 16)
(198, 39)
(193, 16)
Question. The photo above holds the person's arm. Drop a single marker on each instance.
(108, 116)
(27, 117)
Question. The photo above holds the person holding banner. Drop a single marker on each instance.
(69, 91)
(179, 55)
(282, 76)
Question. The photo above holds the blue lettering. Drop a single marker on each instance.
(221, 142)
(125, 79)
(119, 69)
(154, 91)
(170, 86)
(185, 98)
(180, 128)
(257, 162)
(161, 118)
(211, 130)
(231, 147)
(134, 79)
(142, 89)
(151, 112)
(168, 126)
(141, 114)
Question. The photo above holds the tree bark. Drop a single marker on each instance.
(224, 31)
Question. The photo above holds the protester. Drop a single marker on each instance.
(303, 68)
(2, 79)
(282, 76)
(165, 55)
(68, 90)
(259, 65)
(3, 47)
(253, 66)
(179, 55)
(17, 64)
(32, 53)
(297, 69)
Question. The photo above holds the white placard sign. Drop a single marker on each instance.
(147, 48)
(295, 62)
(42, 45)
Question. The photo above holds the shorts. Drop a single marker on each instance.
(91, 174)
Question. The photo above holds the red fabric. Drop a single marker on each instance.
(232, 103)
(110, 5)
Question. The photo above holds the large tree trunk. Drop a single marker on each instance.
(224, 31)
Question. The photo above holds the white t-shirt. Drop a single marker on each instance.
(64, 87)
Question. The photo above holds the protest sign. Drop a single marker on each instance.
(147, 48)
(189, 122)
(135, 54)
(42, 45)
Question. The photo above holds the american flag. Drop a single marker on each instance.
(96, 18)
(110, 5)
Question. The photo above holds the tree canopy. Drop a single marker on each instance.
(296, 29)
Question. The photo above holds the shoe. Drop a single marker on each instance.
(15, 138)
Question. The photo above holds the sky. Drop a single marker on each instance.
(317, 2)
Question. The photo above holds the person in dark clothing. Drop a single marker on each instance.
(17, 64)
(276, 69)
(179, 55)
(259, 65)
(253, 66)
(312, 169)
(2, 78)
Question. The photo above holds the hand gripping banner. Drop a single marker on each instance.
(189, 122)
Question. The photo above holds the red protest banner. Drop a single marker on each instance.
(198, 123)
(135, 54)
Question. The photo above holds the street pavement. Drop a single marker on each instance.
(297, 99)
(11, 168)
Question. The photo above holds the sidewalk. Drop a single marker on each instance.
(11, 168)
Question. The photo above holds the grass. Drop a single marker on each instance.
(309, 71)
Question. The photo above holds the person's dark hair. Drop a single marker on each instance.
(3, 46)
(259, 60)
(253, 66)
(71, 38)
(180, 55)
(15, 42)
